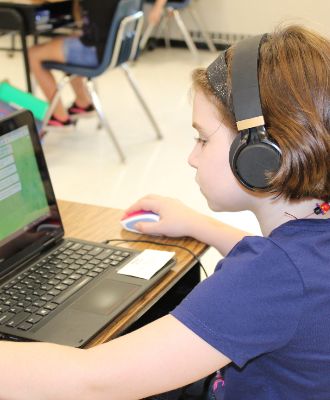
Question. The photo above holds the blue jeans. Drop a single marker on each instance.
(76, 53)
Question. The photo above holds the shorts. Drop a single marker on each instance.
(76, 53)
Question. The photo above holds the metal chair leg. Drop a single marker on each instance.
(202, 29)
(163, 28)
(146, 35)
(97, 104)
(138, 94)
(54, 101)
(96, 89)
(185, 32)
(12, 49)
(166, 30)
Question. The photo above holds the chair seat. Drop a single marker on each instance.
(178, 5)
(173, 9)
(120, 48)
(69, 69)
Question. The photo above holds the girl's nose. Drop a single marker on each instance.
(193, 157)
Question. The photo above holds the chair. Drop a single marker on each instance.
(121, 47)
(173, 9)
(11, 20)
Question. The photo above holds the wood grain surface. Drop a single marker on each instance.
(98, 224)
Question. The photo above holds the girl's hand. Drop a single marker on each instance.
(176, 219)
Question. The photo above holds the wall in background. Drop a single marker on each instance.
(257, 16)
(229, 20)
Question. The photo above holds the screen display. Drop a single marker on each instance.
(23, 200)
(28, 211)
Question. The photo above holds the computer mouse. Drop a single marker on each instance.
(129, 220)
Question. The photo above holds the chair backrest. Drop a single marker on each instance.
(124, 34)
(11, 20)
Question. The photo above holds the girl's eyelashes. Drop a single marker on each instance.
(201, 141)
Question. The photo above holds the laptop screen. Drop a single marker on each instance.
(28, 212)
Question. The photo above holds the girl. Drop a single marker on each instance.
(262, 319)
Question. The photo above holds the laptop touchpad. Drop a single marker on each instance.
(103, 298)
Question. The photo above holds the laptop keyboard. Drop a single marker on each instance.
(39, 290)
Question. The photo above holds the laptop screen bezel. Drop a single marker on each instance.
(20, 248)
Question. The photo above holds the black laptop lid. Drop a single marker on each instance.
(29, 216)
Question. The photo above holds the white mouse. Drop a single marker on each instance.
(129, 220)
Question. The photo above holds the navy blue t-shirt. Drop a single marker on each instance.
(267, 308)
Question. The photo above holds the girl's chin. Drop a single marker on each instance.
(212, 206)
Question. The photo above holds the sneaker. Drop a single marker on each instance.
(55, 123)
(76, 112)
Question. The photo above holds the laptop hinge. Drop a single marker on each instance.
(22, 262)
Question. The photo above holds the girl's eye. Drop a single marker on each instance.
(201, 141)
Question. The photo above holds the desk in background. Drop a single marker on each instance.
(60, 14)
(99, 224)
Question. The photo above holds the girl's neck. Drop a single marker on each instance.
(275, 212)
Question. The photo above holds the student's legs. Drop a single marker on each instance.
(52, 50)
(82, 97)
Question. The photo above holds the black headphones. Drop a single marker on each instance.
(253, 153)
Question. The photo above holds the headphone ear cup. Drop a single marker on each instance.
(250, 162)
(234, 150)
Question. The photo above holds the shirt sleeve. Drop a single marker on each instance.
(251, 305)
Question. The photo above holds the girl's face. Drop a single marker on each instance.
(210, 158)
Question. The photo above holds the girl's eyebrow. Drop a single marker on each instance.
(198, 128)
(201, 131)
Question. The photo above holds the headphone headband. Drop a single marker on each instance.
(217, 73)
(253, 154)
(245, 85)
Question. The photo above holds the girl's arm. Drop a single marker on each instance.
(159, 357)
(176, 219)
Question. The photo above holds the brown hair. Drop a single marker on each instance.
(294, 82)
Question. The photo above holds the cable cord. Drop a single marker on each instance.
(196, 258)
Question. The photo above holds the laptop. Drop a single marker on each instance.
(52, 289)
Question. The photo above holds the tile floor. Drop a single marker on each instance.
(83, 164)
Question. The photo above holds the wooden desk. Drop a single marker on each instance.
(99, 224)
(28, 9)
(29, 2)
(26, 12)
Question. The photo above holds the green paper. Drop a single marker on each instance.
(17, 97)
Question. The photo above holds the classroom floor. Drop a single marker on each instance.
(84, 165)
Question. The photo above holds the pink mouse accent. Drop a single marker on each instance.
(128, 221)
